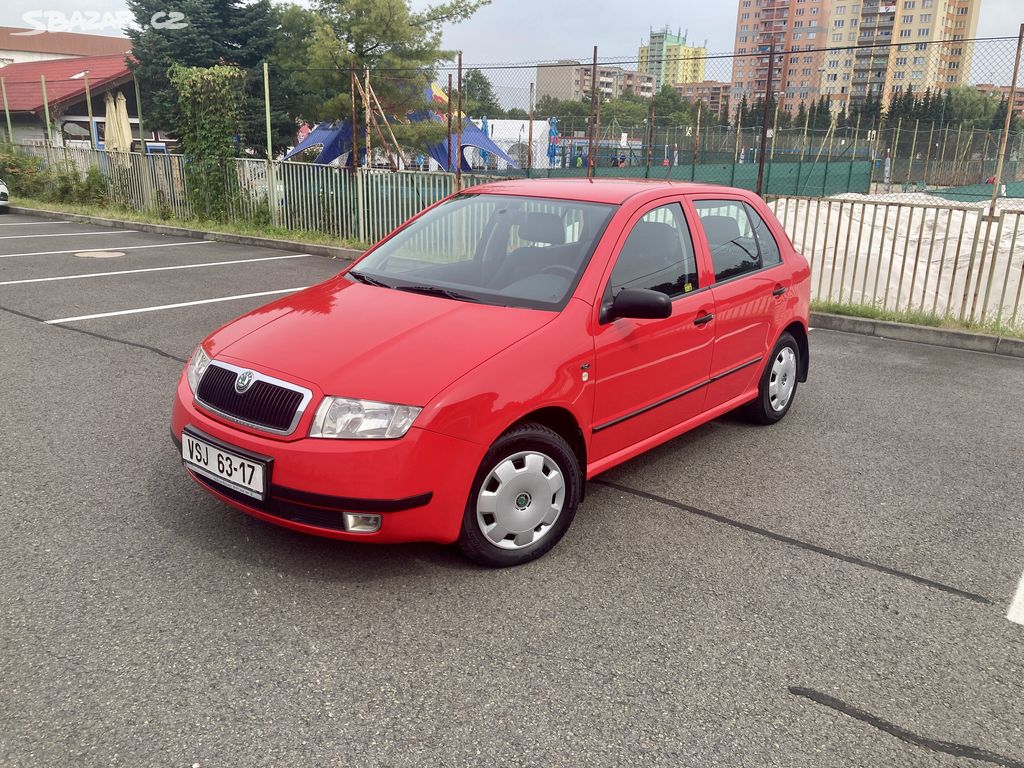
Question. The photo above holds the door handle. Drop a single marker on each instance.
(779, 290)
(704, 319)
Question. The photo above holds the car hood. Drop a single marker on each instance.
(362, 341)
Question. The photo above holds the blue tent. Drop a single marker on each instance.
(472, 136)
(335, 138)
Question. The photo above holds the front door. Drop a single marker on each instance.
(651, 374)
(747, 275)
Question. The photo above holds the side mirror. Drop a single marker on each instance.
(639, 303)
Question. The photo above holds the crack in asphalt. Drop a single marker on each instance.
(93, 334)
(782, 538)
(935, 745)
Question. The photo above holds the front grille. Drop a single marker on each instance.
(263, 405)
(3, 196)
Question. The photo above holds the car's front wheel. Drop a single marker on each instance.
(523, 498)
(777, 387)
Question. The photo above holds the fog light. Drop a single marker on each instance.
(356, 523)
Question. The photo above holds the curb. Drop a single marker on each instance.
(330, 251)
(921, 334)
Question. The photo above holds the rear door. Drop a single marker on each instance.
(650, 375)
(749, 280)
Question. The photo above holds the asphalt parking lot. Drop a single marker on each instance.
(830, 591)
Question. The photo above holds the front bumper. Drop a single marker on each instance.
(419, 483)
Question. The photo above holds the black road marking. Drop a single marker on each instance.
(935, 745)
(95, 335)
(797, 543)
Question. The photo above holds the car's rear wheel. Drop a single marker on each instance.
(523, 498)
(777, 387)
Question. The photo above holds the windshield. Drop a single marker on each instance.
(511, 251)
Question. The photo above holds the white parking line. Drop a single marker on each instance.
(170, 306)
(33, 223)
(67, 234)
(150, 269)
(1016, 612)
(99, 250)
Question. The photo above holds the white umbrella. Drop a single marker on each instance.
(124, 125)
(112, 137)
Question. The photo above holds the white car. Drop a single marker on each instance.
(4, 197)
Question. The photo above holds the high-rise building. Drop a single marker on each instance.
(896, 48)
(670, 60)
(798, 28)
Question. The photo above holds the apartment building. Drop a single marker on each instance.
(714, 94)
(799, 28)
(896, 48)
(1002, 92)
(571, 80)
(670, 60)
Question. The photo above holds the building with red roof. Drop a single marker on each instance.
(65, 82)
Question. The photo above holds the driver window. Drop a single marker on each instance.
(730, 234)
(657, 255)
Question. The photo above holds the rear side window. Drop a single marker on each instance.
(730, 234)
(769, 248)
(658, 254)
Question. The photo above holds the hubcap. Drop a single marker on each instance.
(783, 379)
(520, 499)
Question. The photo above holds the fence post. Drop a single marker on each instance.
(593, 116)
(764, 117)
(46, 110)
(7, 111)
(448, 165)
(1006, 123)
(807, 123)
(650, 139)
(88, 106)
(361, 204)
(529, 137)
(696, 137)
(913, 149)
(458, 151)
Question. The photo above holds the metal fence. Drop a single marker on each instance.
(944, 260)
(897, 254)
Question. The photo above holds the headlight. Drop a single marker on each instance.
(197, 367)
(343, 418)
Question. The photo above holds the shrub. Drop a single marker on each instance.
(25, 174)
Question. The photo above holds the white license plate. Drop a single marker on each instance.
(236, 472)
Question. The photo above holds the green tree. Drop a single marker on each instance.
(971, 108)
(399, 46)
(215, 32)
(209, 110)
(478, 98)
(548, 106)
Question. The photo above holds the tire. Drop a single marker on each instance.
(533, 461)
(777, 388)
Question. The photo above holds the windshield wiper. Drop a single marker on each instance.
(434, 290)
(366, 279)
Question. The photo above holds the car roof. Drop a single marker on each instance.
(609, 191)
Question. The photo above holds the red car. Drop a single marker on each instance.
(463, 379)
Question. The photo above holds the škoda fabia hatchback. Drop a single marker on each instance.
(462, 380)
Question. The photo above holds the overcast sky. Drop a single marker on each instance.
(530, 30)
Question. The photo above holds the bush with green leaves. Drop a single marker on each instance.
(208, 120)
(25, 174)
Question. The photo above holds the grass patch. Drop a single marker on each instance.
(239, 227)
(872, 312)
